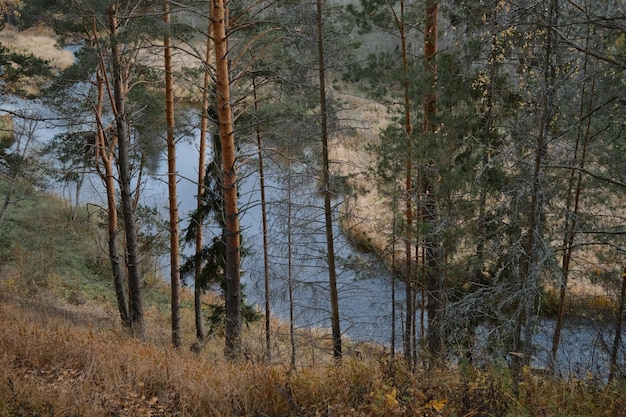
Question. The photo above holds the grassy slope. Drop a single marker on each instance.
(63, 352)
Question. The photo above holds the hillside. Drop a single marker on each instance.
(65, 353)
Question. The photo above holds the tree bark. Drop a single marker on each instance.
(119, 110)
(434, 280)
(266, 261)
(292, 332)
(618, 328)
(231, 212)
(171, 179)
(409, 330)
(531, 263)
(105, 152)
(332, 273)
(204, 127)
(574, 191)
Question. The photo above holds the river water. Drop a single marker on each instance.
(364, 284)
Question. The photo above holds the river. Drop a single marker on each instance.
(364, 284)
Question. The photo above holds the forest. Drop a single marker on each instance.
(329, 207)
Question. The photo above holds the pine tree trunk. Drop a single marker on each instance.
(204, 127)
(531, 263)
(618, 328)
(226, 125)
(105, 153)
(481, 225)
(393, 283)
(292, 332)
(574, 191)
(434, 280)
(132, 261)
(409, 333)
(332, 273)
(171, 180)
(266, 261)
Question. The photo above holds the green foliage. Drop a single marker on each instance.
(7, 134)
(72, 154)
(147, 107)
(44, 249)
(16, 68)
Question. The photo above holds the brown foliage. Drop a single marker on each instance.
(67, 360)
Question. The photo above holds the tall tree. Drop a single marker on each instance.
(219, 18)
(410, 284)
(434, 281)
(172, 178)
(532, 258)
(120, 89)
(328, 217)
(204, 128)
(397, 143)
(264, 224)
(105, 150)
(572, 201)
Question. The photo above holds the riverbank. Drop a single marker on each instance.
(367, 219)
(76, 359)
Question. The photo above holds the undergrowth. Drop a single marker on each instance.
(61, 360)
(63, 356)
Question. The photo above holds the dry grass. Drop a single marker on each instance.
(59, 360)
(367, 220)
(62, 359)
(39, 41)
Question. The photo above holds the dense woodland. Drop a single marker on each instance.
(475, 149)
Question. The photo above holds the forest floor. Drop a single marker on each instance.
(63, 351)
(63, 355)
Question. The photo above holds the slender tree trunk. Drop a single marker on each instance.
(171, 179)
(292, 332)
(332, 273)
(409, 334)
(231, 211)
(204, 128)
(531, 262)
(481, 225)
(393, 283)
(574, 191)
(105, 153)
(618, 328)
(434, 281)
(409, 330)
(422, 266)
(132, 261)
(266, 261)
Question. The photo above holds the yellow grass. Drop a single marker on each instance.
(39, 41)
(7, 135)
(61, 360)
